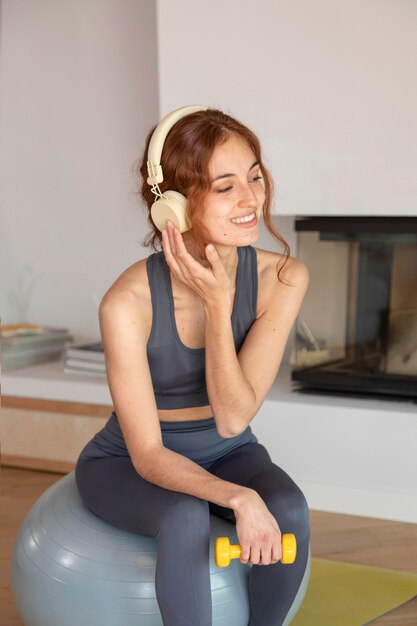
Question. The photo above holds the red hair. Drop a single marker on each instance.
(185, 160)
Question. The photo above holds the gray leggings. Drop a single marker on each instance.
(113, 490)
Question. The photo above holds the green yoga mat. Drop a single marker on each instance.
(342, 594)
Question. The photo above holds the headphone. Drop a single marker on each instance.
(171, 204)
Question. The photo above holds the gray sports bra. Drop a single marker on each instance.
(177, 371)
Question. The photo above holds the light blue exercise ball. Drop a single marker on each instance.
(71, 568)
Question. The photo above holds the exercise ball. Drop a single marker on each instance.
(71, 568)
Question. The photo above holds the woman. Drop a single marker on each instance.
(193, 337)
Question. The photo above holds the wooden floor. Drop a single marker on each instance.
(348, 538)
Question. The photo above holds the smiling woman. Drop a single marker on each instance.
(193, 338)
(197, 137)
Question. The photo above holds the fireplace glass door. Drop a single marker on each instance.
(357, 328)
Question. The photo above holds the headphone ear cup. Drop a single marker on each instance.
(172, 206)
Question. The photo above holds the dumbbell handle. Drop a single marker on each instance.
(224, 551)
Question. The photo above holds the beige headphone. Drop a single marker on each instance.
(170, 204)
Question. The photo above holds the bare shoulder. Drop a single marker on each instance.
(294, 274)
(129, 292)
(270, 262)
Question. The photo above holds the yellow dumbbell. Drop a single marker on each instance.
(224, 552)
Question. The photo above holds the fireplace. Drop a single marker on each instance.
(356, 332)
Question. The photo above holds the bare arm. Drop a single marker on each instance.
(230, 394)
(176, 472)
(238, 384)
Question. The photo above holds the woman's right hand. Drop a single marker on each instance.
(258, 532)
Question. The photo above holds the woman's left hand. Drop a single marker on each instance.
(211, 284)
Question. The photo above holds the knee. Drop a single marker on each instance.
(290, 509)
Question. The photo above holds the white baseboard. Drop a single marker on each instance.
(390, 505)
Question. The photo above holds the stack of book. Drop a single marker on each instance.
(85, 359)
(23, 345)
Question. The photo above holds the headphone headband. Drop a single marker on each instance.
(155, 174)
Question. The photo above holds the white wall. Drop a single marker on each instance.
(328, 85)
(80, 92)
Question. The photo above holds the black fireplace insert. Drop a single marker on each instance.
(356, 332)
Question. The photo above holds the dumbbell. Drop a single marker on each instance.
(224, 552)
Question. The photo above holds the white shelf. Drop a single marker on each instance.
(48, 381)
